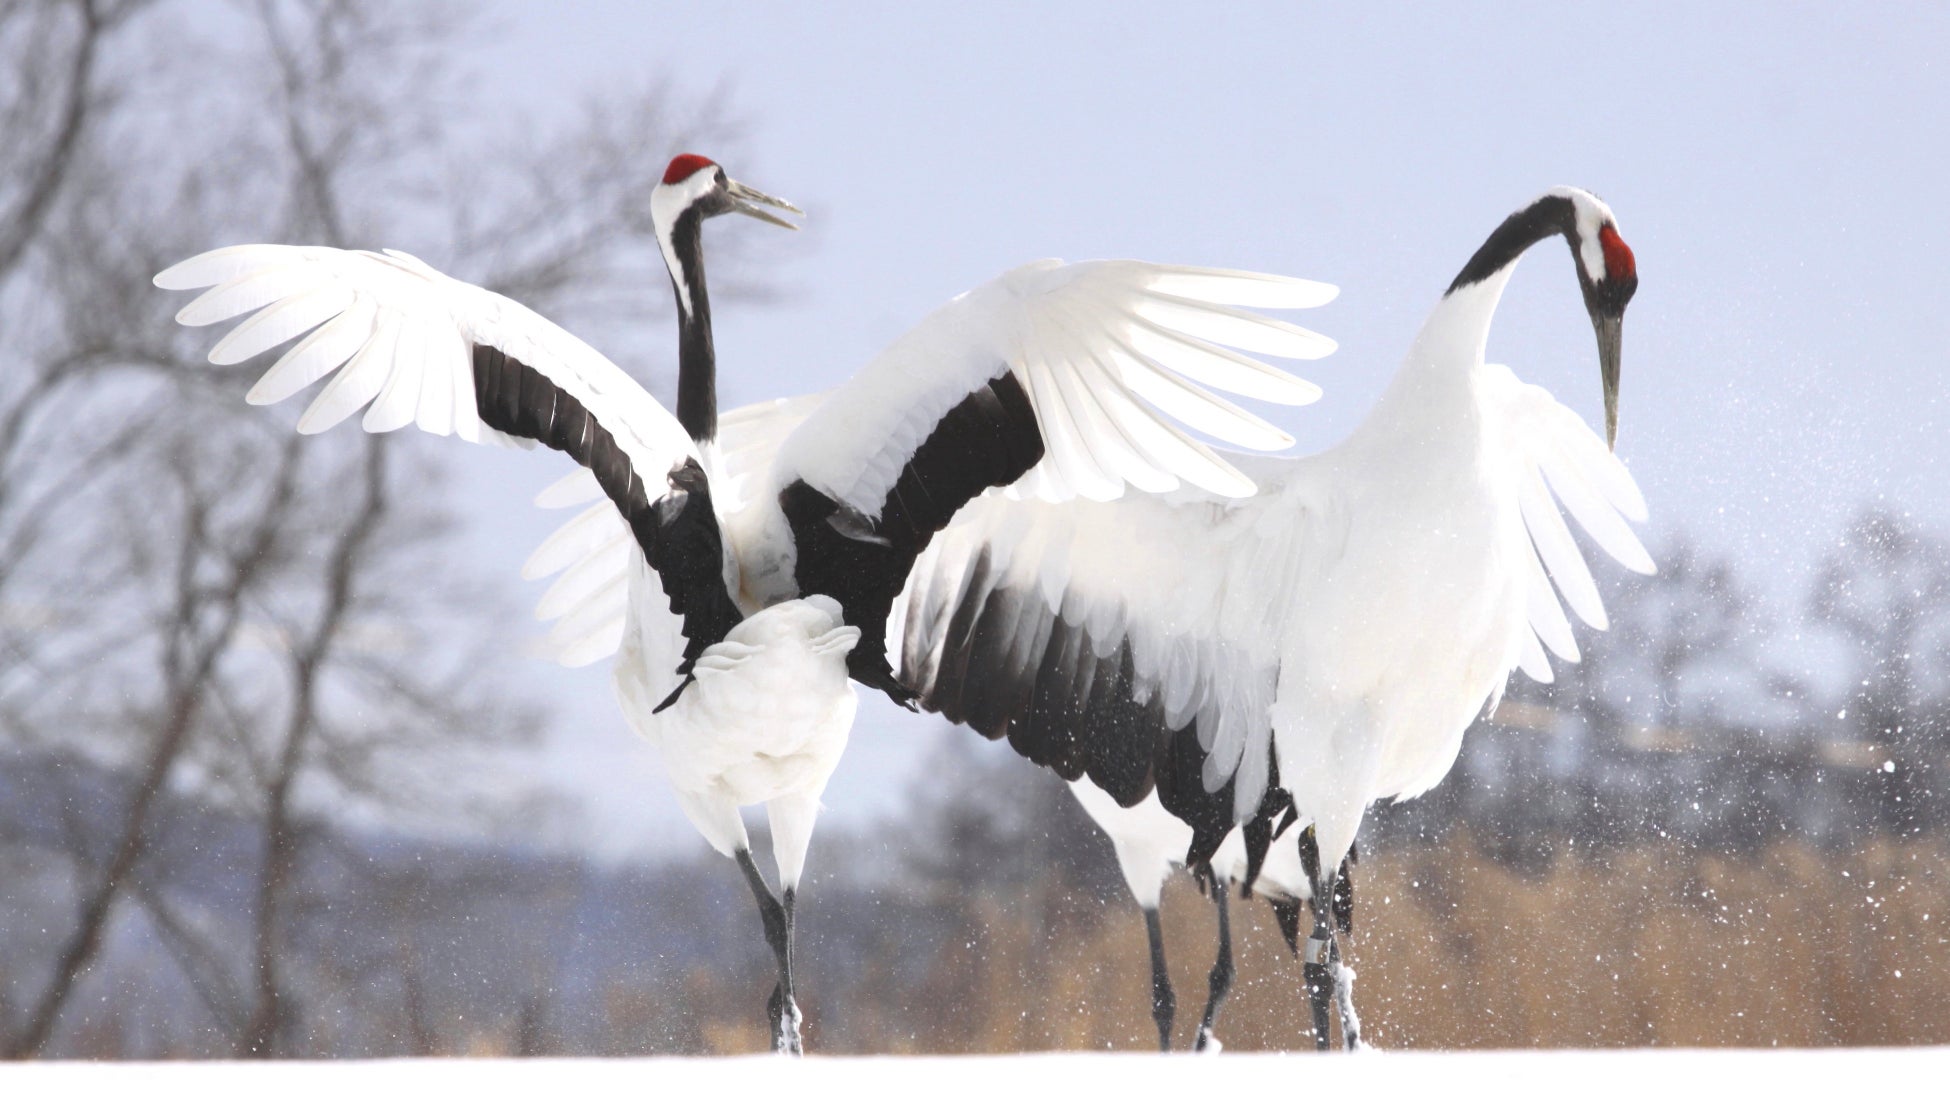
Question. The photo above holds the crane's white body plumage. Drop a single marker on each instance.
(765, 722)
(1150, 843)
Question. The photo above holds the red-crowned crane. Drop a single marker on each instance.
(753, 591)
(1331, 636)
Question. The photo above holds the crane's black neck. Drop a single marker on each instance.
(1551, 215)
(697, 361)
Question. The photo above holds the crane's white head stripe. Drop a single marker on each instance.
(1592, 216)
(669, 201)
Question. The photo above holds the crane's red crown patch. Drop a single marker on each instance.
(1619, 263)
(684, 165)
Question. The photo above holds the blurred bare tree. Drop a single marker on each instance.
(1699, 632)
(1886, 590)
(188, 593)
(1681, 643)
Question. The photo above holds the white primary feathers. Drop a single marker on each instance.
(1093, 344)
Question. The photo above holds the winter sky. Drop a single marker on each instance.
(1777, 168)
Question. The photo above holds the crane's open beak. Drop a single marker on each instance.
(1608, 329)
(752, 203)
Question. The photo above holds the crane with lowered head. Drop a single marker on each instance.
(1330, 637)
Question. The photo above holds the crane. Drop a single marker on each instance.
(1332, 636)
(1150, 843)
(755, 585)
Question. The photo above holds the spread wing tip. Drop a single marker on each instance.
(210, 267)
(1252, 289)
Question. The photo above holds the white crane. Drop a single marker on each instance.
(1150, 843)
(751, 586)
(1332, 636)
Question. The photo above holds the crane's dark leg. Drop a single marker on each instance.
(1343, 975)
(1219, 984)
(1317, 952)
(782, 1010)
(1164, 1004)
(1317, 955)
(789, 1011)
(1328, 978)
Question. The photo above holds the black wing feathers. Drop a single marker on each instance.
(681, 540)
(988, 440)
(1179, 768)
(678, 533)
(1010, 667)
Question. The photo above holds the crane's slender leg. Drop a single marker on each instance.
(1164, 1004)
(1343, 974)
(781, 1010)
(789, 1016)
(792, 817)
(1219, 983)
(1328, 977)
(1317, 954)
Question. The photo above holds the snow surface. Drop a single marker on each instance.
(1452, 1074)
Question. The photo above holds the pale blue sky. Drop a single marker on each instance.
(1780, 170)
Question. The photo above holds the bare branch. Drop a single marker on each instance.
(212, 984)
(212, 555)
(307, 662)
(20, 224)
(188, 664)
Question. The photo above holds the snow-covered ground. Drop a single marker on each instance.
(1452, 1074)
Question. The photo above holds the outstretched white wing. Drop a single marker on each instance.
(1103, 352)
(422, 348)
(1555, 458)
(404, 333)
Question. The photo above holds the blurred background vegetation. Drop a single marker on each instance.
(244, 682)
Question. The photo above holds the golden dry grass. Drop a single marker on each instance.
(1658, 946)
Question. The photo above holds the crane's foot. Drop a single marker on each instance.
(1344, 1005)
(1164, 1005)
(1207, 1044)
(783, 1012)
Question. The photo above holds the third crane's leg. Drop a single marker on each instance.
(1219, 983)
(1164, 1004)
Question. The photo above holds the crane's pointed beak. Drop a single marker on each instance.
(753, 203)
(1609, 337)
